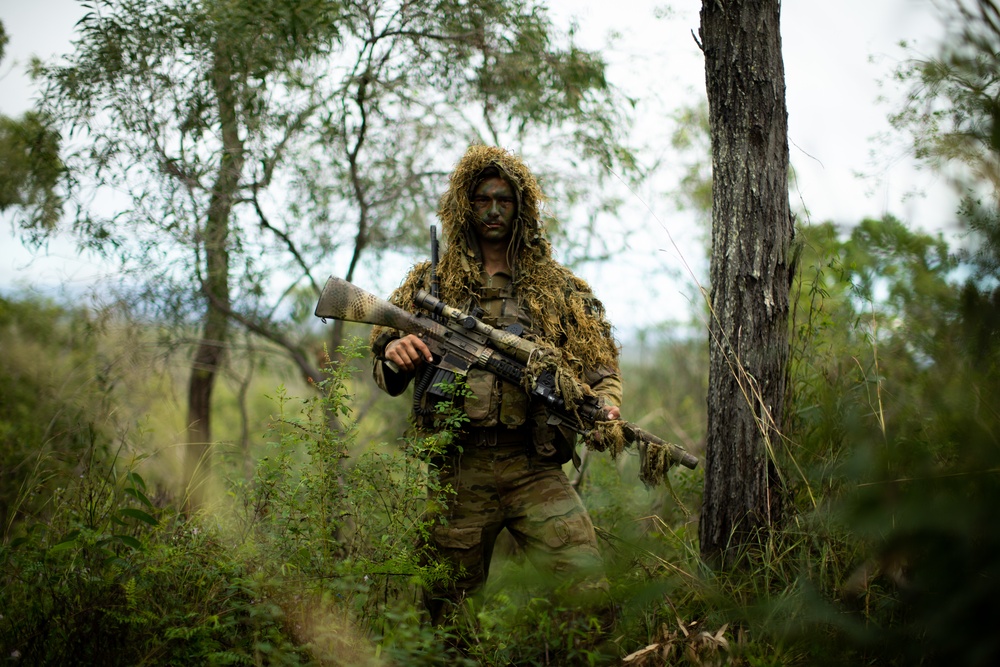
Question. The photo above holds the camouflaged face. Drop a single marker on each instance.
(455, 210)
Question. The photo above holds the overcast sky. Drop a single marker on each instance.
(835, 55)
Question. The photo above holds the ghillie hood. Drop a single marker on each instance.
(562, 307)
(455, 209)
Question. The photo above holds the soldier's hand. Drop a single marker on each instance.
(614, 413)
(408, 352)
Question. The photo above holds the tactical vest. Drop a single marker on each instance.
(496, 402)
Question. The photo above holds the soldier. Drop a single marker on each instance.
(505, 469)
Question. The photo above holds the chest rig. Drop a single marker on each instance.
(495, 402)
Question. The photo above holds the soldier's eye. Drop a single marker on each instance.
(482, 201)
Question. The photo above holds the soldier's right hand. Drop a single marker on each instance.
(408, 352)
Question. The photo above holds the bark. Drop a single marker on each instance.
(210, 352)
(752, 230)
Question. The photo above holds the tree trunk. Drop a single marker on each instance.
(752, 230)
(211, 348)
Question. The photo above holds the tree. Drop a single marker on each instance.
(752, 230)
(952, 116)
(30, 167)
(173, 99)
(261, 142)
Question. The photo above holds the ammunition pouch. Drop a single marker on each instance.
(493, 401)
(551, 443)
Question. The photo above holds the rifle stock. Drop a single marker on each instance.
(346, 301)
(461, 341)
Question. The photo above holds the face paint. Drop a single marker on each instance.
(494, 209)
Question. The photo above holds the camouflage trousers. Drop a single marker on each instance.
(498, 487)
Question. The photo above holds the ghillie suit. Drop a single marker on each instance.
(505, 471)
(560, 307)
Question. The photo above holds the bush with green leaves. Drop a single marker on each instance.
(891, 555)
(888, 554)
(303, 565)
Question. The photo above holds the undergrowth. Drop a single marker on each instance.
(888, 555)
(315, 559)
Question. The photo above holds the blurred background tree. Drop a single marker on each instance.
(252, 147)
(30, 167)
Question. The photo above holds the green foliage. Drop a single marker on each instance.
(31, 171)
(951, 116)
(951, 111)
(888, 555)
(895, 289)
(315, 555)
(30, 167)
(314, 559)
(896, 453)
(111, 579)
(54, 402)
(524, 629)
(888, 558)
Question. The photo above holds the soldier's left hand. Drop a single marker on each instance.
(614, 413)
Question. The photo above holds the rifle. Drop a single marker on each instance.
(459, 341)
